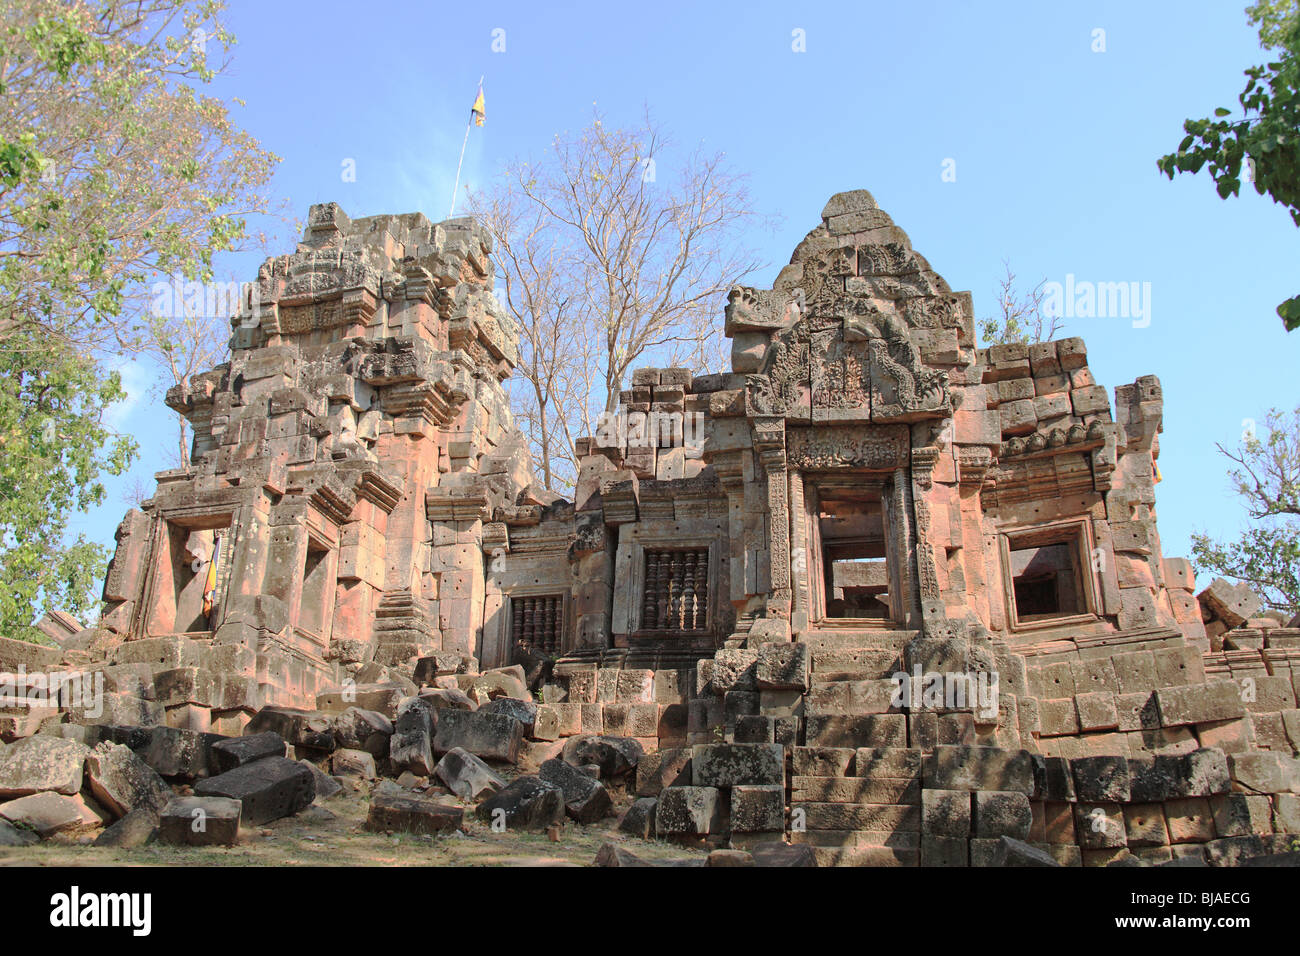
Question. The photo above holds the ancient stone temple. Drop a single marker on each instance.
(752, 559)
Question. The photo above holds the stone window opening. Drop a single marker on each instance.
(317, 591)
(675, 590)
(852, 574)
(188, 579)
(1048, 575)
(537, 624)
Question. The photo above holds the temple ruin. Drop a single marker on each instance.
(749, 561)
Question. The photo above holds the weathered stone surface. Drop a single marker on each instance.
(730, 765)
(122, 782)
(41, 763)
(585, 799)
(360, 729)
(409, 813)
(138, 828)
(757, 809)
(325, 785)
(353, 763)
(1002, 814)
(300, 728)
(46, 814)
(524, 711)
(979, 768)
(639, 818)
(200, 821)
(686, 811)
(615, 756)
(490, 736)
(466, 775)
(528, 803)
(269, 789)
(182, 754)
(12, 836)
(234, 752)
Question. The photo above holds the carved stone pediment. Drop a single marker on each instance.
(859, 365)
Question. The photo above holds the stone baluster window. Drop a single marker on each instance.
(676, 596)
(537, 623)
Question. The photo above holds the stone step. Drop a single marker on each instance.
(850, 839)
(858, 638)
(855, 664)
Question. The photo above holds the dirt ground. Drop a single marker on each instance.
(331, 833)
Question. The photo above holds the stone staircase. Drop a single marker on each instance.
(856, 784)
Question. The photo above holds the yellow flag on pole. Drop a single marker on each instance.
(478, 107)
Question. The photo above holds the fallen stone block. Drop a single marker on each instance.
(41, 763)
(232, 752)
(1015, 852)
(585, 800)
(300, 728)
(411, 746)
(611, 854)
(180, 754)
(326, 786)
(360, 729)
(12, 836)
(1230, 603)
(268, 789)
(200, 821)
(138, 828)
(122, 782)
(448, 698)
(639, 818)
(524, 711)
(353, 763)
(408, 813)
(490, 736)
(528, 803)
(615, 756)
(466, 775)
(46, 814)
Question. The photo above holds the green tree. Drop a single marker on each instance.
(1263, 143)
(1266, 475)
(116, 173)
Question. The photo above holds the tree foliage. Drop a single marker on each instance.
(116, 172)
(1266, 475)
(1263, 142)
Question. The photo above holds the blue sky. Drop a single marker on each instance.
(1054, 146)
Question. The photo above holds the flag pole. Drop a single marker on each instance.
(470, 122)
